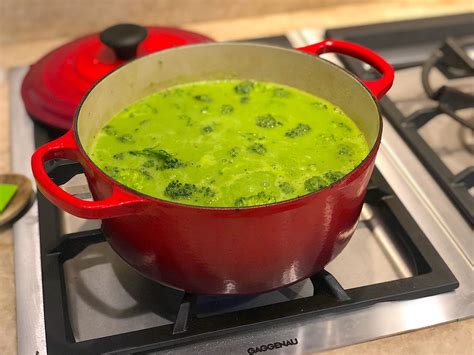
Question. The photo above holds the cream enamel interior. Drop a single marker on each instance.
(216, 61)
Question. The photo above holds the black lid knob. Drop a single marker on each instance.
(123, 39)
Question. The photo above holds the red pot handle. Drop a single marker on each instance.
(119, 203)
(378, 87)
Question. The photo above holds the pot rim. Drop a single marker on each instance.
(360, 166)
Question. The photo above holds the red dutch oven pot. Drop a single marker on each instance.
(223, 250)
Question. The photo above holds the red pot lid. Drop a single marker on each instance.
(54, 86)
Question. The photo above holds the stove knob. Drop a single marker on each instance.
(123, 39)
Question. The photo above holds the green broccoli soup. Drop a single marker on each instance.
(229, 144)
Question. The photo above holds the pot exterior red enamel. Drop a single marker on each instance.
(248, 251)
(221, 250)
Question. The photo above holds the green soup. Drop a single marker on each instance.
(229, 144)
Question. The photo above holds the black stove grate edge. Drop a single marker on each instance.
(424, 36)
(432, 277)
(433, 30)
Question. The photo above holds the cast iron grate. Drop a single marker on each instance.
(423, 38)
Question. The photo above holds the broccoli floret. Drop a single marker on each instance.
(261, 198)
(125, 138)
(118, 156)
(257, 148)
(144, 171)
(286, 187)
(112, 171)
(227, 109)
(244, 87)
(207, 192)
(314, 183)
(149, 163)
(233, 152)
(299, 130)
(344, 126)
(244, 99)
(203, 98)
(163, 159)
(186, 118)
(251, 137)
(206, 129)
(267, 121)
(320, 105)
(110, 130)
(333, 176)
(179, 191)
(344, 150)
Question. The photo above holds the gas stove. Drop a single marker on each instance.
(408, 266)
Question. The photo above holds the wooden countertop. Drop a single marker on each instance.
(452, 338)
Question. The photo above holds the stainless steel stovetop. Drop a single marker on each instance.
(106, 297)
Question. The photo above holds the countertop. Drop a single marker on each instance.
(451, 338)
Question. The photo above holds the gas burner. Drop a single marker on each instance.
(454, 62)
(453, 58)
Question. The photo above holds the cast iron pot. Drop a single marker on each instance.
(223, 250)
